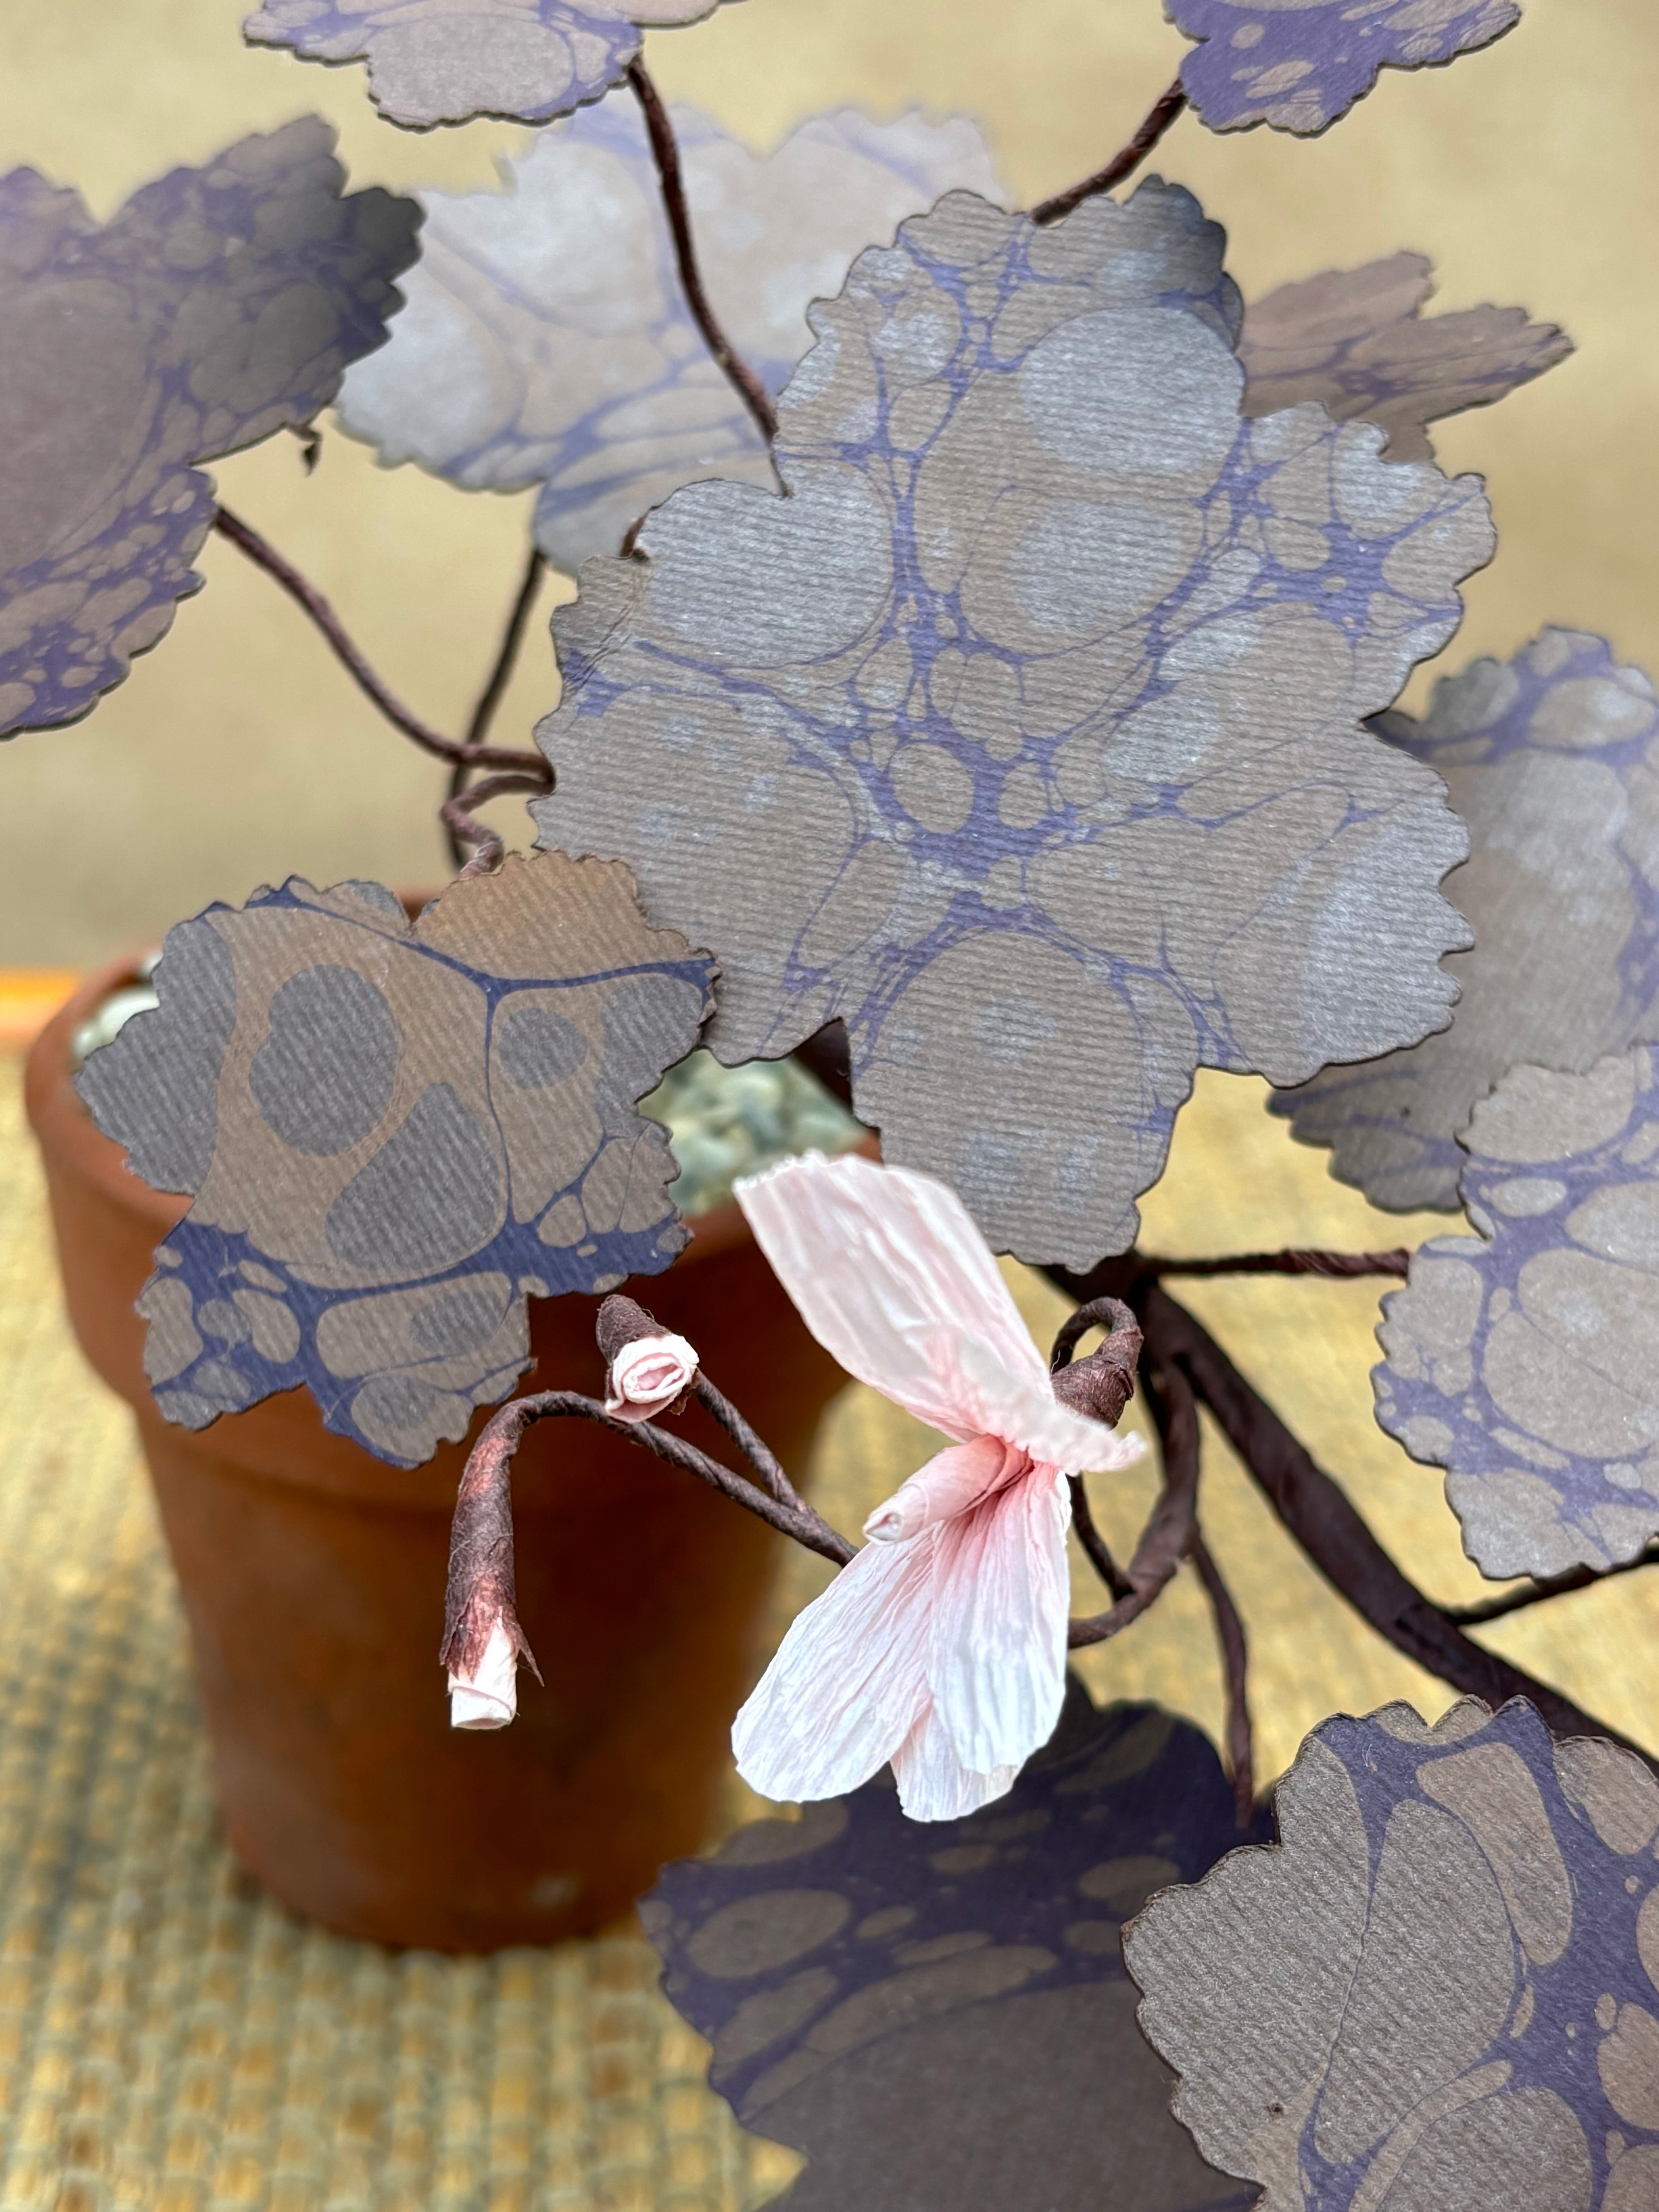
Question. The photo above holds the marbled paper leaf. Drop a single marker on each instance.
(1550, 761)
(1023, 736)
(393, 1134)
(1438, 1988)
(448, 61)
(1526, 1360)
(1299, 65)
(218, 305)
(1354, 339)
(547, 339)
(939, 2017)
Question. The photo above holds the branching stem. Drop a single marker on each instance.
(1235, 1663)
(310, 600)
(1339, 1267)
(495, 684)
(1536, 1592)
(666, 149)
(1121, 164)
(457, 816)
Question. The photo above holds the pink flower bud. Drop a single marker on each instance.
(487, 1696)
(647, 1375)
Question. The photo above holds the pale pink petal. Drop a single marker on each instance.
(488, 1697)
(647, 1375)
(949, 1484)
(848, 1682)
(934, 1785)
(1031, 1415)
(996, 1663)
(891, 1276)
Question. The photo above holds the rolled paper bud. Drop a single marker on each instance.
(487, 1697)
(647, 1376)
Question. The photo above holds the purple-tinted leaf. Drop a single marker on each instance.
(1353, 339)
(547, 339)
(220, 304)
(1023, 736)
(1299, 65)
(1526, 1360)
(1437, 1992)
(446, 61)
(939, 2016)
(1548, 758)
(394, 1132)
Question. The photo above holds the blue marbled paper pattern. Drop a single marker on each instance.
(446, 61)
(1025, 735)
(394, 1133)
(218, 305)
(1551, 759)
(547, 340)
(1440, 1988)
(939, 2015)
(1526, 1360)
(1299, 65)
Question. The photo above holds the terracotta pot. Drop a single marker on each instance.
(313, 1578)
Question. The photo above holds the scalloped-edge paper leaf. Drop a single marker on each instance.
(1526, 1360)
(1550, 760)
(1439, 1992)
(547, 339)
(449, 61)
(1299, 65)
(1355, 340)
(394, 1132)
(939, 2016)
(220, 304)
(1025, 736)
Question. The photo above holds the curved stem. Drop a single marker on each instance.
(499, 1437)
(1536, 1592)
(666, 149)
(1235, 1663)
(759, 1455)
(310, 600)
(1339, 1267)
(1331, 1531)
(1169, 1529)
(456, 815)
(1096, 1548)
(1121, 164)
(496, 682)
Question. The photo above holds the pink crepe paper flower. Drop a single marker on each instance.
(941, 1646)
(648, 1377)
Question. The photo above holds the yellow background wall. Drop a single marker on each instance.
(237, 751)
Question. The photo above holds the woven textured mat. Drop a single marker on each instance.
(171, 2041)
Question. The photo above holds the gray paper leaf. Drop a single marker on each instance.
(395, 1133)
(1299, 65)
(1526, 1360)
(448, 61)
(547, 339)
(1550, 759)
(1353, 339)
(1439, 1992)
(220, 304)
(1024, 736)
(940, 2016)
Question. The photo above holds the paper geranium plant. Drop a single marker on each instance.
(979, 709)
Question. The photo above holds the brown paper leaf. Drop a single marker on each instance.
(394, 1132)
(218, 306)
(1354, 340)
(1023, 736)
(939, 2015)
(1547, 758)
(1299, 65)
(1526, 1360)
(1438, 1991)
(547, 339)
(448, 61)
